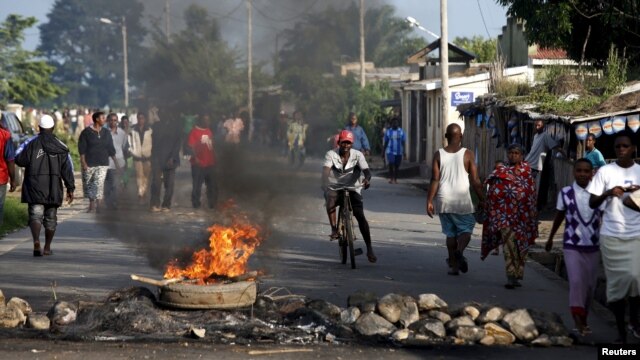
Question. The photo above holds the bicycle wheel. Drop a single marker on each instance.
(342, 243)
(348, 226)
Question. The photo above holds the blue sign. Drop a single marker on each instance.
(461, 97)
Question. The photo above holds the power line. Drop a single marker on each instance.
(483, 21)
(261, 12)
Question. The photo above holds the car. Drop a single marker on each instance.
(19, 134)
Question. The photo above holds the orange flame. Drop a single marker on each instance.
(229, 252)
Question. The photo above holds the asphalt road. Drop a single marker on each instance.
(95, 254)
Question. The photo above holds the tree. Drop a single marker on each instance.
(24, 78)
(577, 25)
(88, 54)
(483, 49)
(195, 70)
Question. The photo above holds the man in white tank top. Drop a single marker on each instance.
(454, 170)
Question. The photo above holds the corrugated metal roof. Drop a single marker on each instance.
(549, 54)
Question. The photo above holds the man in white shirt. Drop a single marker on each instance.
(119, 143)
(620, 232)
(542, 143)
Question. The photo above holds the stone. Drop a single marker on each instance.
(564, 341)
(11, 317)
(470, 334)
(291, 306)
(488, 340)
(326, 308)
(494, 314)
(20, 304)
(460, 321)
(370, 324)
(350, 315)
(439, 315)
(197, 333)
(501, 335)
(521, 324)
(2, 304)
(390, 306)
(38, 321)
(428, 302)
(472, 311)
(401, 334)
(542, 341)
(329, 338)
(409, 312)
(366, 301)
(429, 327)
(548, 323)
(62, 313)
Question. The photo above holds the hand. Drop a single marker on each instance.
(616, 191)
(69, 197)
(430, 209)
(366, 184)
(84, 166)
(12, 186)
(632, 188)
(549, 245)
(367, 152)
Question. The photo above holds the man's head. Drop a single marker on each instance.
(204, 120)
(539, 126)
(98, 118)
(297, 116)
(453, 134)
(353, 119)
(345, 141)
(582, 172)
(141, 119)
(46, 123)
(395, 123)
(590, 143)
(624, 146)
(112, 120)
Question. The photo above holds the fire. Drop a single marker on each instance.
(229, 250)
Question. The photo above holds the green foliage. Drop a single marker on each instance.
(16, 215)
(484, 49)
(87, 53)
(615, 73)
(550, 103)
(24, 79)
(333, 35)
(196, 69)
(509, 88)
(565, 24)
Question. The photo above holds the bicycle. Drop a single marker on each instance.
(345, 230)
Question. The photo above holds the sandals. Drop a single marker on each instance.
(372, 258)
(47, 252)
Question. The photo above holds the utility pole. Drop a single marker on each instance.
(167, 19)
(126, 63)
(250, 66)
(444, 66)
(362, 77)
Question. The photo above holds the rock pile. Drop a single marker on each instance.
(396, 318)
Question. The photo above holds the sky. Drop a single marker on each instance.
(464, 17)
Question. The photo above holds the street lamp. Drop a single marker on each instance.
(414, 23)
(123, 25)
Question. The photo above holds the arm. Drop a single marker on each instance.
(365, 142)
(82, 149)
(473, 175)
(435, 183)
(66, 172)
(9, 157)
(386, 143)
(557, 221)
(325, 177)
(596, 200)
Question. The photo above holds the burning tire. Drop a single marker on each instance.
(210, 296)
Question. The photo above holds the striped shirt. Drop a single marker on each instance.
(394, 138)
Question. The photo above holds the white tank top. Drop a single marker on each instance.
(453, 193)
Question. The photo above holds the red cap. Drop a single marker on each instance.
(345, 135)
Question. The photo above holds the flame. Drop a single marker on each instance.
(229, 250)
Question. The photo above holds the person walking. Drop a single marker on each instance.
(620, 232)
(592, 154)
(140, 147)
(95, 147)
(296, 137)
(203, 160)
(511, 215)
(120, 143)
(580, 242)
(165, 159)
(394, 145)
(7, 167)
(454, 172)
(361, 141)
(47, 166)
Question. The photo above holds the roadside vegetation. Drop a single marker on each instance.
(15, 214)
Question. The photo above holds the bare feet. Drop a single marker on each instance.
(36, 249)
(371, 257)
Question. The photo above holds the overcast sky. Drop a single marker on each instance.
(464, 15)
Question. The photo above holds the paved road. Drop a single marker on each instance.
(95, 254)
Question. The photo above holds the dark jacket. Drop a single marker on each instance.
(47, 165)
(165, 152)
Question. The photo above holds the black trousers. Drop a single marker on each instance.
(205, 175)
(160, 177)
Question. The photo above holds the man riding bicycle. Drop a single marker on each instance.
(342, 169)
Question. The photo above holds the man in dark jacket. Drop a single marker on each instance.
(165, 158)
(47, 166)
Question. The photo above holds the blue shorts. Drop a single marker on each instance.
(394, 159)
(454, 225)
